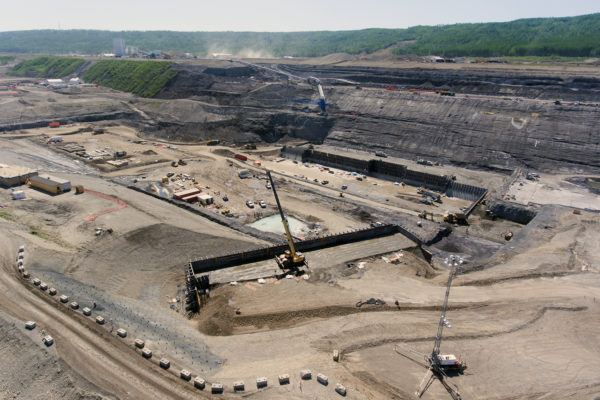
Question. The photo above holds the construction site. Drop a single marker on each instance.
(303, 229)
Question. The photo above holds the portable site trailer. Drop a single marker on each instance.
(205, 199)
(180, 195)
(45, 184)
(64, 183)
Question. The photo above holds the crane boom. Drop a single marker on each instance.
(295, 258)
(438, 339)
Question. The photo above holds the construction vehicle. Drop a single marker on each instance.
(440, 365)
(423, 214)
(458, 218)
(290, 259)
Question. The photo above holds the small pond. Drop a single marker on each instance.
(273, 224)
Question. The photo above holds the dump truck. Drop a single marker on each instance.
(458, 218)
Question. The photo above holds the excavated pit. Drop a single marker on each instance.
(498, 119)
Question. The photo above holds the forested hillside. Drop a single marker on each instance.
(46, 67)
(144, 78)
(568, 37)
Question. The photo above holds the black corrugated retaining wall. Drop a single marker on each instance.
(265, 253)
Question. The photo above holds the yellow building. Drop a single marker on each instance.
(45, 184)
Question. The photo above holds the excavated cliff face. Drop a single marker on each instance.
(487, 132)
(498, 119)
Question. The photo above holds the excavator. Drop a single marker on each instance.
(290, 259)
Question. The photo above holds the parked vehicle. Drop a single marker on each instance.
(262, 204)
(250, 203)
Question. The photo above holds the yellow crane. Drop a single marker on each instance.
(290, 259)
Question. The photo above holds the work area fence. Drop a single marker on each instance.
(388, 170)
(18, 124)
(214, 263)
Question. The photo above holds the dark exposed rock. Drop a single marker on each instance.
(512, 211)
(497, 119)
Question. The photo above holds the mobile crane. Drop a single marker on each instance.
(290, 259)
(311, 80)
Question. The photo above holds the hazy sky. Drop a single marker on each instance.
(273, 15)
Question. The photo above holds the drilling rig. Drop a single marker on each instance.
(441, 364)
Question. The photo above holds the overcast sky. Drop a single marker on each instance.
(273, 15)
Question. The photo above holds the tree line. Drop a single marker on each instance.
(567, 37)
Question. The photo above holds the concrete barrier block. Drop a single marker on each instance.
(64, 299)
(261, 382)
(100, 320)
(306, 374)
(87, 311)
(322, 379)
(52, 291)
(336, 356)
(37, 282)
(48, 340)
(216, 388)
(30, 325)
(139, 343)
(74, 305)
(199, 383)
(185, 375)
(164, 363)
(340, 389)
(238, 386)
(147, 353)
(121, 332)
(284, 379)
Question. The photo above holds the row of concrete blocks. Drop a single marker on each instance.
(238, 386)
(199, 383)
(63, 298)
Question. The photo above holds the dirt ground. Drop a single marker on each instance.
(523, 312)
(543, 277)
